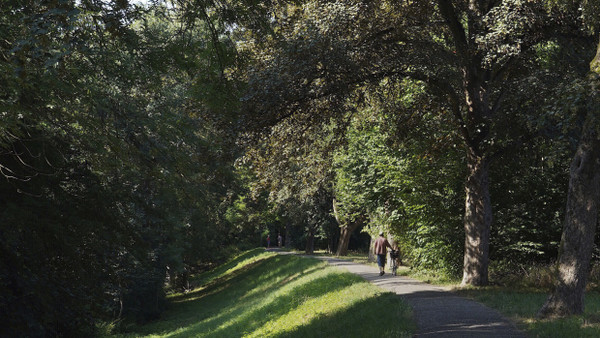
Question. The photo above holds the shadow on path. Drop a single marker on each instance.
(438, 312)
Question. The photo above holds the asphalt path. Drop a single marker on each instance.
(438, 311)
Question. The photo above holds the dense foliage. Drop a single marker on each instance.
(142, 143)
(476, 68)
(114, 161)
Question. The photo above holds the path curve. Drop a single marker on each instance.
(438, 311)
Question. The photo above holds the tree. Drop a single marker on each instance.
(292, 165)
(583, 199)
(369, 181)
(114, 157)
(467, 54)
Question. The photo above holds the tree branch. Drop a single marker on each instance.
(456, 28)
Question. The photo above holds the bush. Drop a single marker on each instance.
(145, 299)
(540, 275)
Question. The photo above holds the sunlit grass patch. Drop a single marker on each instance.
(268, 295)
(242, 261)
(350, 312)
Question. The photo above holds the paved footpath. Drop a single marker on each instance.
(437, 311)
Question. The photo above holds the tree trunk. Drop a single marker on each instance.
(581, 218)
(372, 258)
(310, 242)
(345, 233)
(478, 207)
(595, 64)
(288, 238)
(477, 221)
(581, 214)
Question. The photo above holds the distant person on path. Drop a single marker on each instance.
(380, 250)
(268, 241)
(279, 239)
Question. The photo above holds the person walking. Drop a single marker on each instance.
(380, 250)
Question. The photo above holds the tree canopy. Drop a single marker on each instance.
(141, 142)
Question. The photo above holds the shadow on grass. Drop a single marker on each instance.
(256, 297)
(249, 298)
(217, 284)
(210, 276)
(522, 306)
(362, 320)
(252, 276)
(227, 297)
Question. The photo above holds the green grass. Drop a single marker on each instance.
(262, 294)
(521, 306)
(520, 300)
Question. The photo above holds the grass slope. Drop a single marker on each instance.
(262, 294)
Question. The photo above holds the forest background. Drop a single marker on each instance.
(144, 142)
